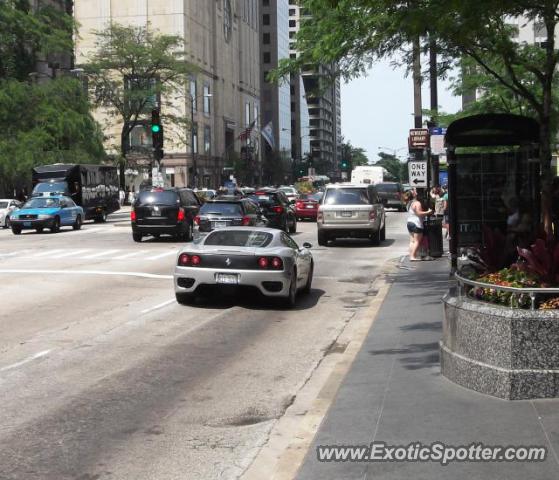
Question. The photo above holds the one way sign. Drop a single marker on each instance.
(418, 174)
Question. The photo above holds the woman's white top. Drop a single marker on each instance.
(414, 217)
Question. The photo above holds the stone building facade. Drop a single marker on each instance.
(222, 42)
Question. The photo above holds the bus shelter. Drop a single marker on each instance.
(493, 180)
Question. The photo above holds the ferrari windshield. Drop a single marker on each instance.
(239, 238)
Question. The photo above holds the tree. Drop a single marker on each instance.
(354, 33)
(28, 34)
(356, 156)
(44, 123)
(134, 70)
(397, 170)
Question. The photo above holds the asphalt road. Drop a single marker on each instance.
(104, 376)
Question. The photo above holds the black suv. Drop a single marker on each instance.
(162, 211)
(276, 208)
(227, 212)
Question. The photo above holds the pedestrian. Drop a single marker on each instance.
(132, 195)
(121, 196)
(445, 212)
(415, 218)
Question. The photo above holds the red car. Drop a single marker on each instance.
(306, 206)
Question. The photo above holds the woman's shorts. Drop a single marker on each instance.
(413, 228)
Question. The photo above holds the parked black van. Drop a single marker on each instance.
(164, 211)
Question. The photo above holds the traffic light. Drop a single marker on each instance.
(156, 134)
(345, 164)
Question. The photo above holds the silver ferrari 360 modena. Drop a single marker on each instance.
(263, 259)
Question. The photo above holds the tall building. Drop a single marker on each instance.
(276, 98)
(222, 41)
(323, 99)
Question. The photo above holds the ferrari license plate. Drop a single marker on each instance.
(347, 214)
(26, 224)
(219, 224)
(227, 278)
(309, 206)
(156, 213)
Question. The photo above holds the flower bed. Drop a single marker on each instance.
(537, 267)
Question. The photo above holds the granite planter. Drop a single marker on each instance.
(508, 353)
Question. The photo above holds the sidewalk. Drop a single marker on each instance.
(394, 393)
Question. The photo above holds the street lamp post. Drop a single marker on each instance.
(192, 149)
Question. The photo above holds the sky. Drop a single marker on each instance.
(377, 110)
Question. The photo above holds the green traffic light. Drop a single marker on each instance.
(155, 128)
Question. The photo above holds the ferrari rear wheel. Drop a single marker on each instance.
(291, 299)
(308, 285)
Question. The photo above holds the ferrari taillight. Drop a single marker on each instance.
(133, 215)
(184, 259)
(180, 215)
(270, 263)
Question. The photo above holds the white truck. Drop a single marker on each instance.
(367, 174)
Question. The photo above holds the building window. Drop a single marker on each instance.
(292, 12)
(255, 112)
(207, 99)
(207, 140)
(265, 3)
(266, 57)
(193, 93)
(227, 19)
(247, 114)
(292, 34)
(266, 38)
(195, 137)
(292, 23)
(292, 55)
(266, 19)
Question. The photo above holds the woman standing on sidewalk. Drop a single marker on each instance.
(415, 224)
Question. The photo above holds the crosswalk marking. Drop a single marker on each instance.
(162, 255)
(71, 253)
(47, 253)
(101, 254)
(132, 254)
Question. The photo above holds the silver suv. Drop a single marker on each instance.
(351, 211)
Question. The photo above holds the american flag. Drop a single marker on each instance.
(247, 132)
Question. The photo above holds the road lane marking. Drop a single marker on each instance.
(161, 255)
(74, 252)
(48, 253)
(129, 255)
(8, 254)
(101, 254)
(157, 307)
(26, 360)
(86, 272)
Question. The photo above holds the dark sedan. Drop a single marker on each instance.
(223, 213)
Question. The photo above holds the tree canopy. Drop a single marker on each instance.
(29, 33)
(44, 123)
(133, 70)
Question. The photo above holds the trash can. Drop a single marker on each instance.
(434, 234)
